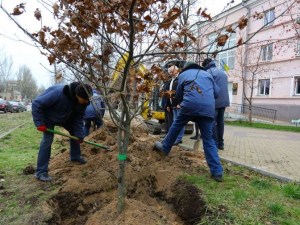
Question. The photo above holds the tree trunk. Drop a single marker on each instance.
(122, 158)
(250, 114)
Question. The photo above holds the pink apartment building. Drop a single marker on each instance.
(269, 64)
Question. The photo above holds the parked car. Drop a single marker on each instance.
(16, 106)
(5, 106)
(22, 107)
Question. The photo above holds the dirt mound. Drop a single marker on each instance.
(30, 169)
(88, 193)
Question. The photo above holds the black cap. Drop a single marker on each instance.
(81, 92)
(206, 62)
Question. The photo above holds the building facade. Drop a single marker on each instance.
(265, 67)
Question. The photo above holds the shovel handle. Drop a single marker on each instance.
(77, 139)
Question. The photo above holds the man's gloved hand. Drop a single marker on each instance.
(42, 128)
(79, 141)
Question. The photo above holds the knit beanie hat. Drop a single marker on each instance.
(206, 62)
(189, 63)
(81, 92)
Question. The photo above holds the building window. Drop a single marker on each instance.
(298, 48)
(225, 57)
(264, 87)
(234, 88)
(297, 85)
(266, 52)
(269, 17)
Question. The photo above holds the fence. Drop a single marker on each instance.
(239, 111)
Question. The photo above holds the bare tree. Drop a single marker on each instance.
(26, 83)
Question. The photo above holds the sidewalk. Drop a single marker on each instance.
(271, 152)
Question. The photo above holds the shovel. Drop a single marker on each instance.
(196, 145)
(76, 139)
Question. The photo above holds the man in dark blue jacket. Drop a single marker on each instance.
(196, 93)
(60, 105)
(221, 102)
(94, 112)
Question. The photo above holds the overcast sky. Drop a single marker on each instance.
(25, 54)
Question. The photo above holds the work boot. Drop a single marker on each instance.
(159, 146)
(44, 177)
(194, 137)
(178, 142)
(217, 178)
(81, 160)
(221, 147)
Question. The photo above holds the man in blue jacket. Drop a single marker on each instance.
(60, 105)
(221, 102)
(94, 112)
(196, 93)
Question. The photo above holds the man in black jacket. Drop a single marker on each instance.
(172, 103)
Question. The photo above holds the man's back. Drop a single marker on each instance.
(197, 91)
(221, 80)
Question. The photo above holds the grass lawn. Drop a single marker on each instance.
(263, 126)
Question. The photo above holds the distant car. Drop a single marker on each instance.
(16, 106)
(22, 107)
(5, 106)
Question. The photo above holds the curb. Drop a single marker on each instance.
(263, 172)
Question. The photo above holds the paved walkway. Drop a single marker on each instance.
(271, 152)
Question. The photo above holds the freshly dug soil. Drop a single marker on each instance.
(87, 194)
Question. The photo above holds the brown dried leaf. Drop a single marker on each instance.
(242, 22)
(221, 41)
(19, 9)
(258, 16)
(204, 14)
(240, 42)
(170, 93)
(230, 30)
(51, 59)
(199, 10)
(55, 9)
(37, 14)
(148, 18)
(59, 76)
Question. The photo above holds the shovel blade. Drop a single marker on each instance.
(196, 145)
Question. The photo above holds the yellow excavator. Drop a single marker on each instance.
(153, 115)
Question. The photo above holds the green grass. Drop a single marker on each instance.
(255, 200)
(20, 198)
(9, 121)
(263, 126)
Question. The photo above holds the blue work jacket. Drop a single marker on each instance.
(56, 106)
(90, 111)
(221, 79)
(196, 92)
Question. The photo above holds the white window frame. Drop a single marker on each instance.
(264, 82)
(229, 54)
(297, 85)
(266, 53)
(269, 16)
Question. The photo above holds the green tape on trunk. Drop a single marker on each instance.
(122, 157)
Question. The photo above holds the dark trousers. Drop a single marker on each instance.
(88, 123)
(45, 149)
(218, 126)
(209, 146)
(168, 120)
